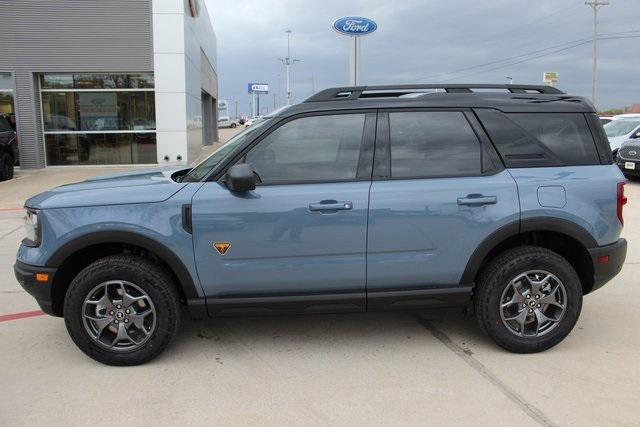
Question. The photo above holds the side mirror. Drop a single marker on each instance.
(636, 135)
(240, 178)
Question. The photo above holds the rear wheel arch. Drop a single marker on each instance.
(564, 237)
(73, 256)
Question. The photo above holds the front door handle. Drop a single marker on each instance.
(330, 205)
(477, 200)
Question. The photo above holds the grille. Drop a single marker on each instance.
(629, 152)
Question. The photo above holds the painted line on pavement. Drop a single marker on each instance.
(23, 315)
(10, 232)
(534, 413)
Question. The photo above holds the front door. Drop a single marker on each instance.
(299, 239)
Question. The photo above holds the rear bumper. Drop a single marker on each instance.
(605, 271)
(41, 291)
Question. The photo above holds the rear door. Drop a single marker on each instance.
(438, 192)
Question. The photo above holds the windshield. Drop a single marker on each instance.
(620, 127)
(203, 169)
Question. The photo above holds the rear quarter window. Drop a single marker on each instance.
(541, 139)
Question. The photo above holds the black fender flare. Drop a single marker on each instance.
(557, 225)
(101, 237)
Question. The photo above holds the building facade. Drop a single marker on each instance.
(110, 81)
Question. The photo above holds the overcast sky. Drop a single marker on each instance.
(427, 41)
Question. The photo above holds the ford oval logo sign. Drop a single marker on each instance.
(354, 26)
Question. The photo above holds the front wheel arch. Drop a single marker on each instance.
(73, 256)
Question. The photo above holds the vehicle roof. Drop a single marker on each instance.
(506, 98)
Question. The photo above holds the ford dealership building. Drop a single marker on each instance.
(110, 81)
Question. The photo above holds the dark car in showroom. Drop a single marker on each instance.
(8, 147)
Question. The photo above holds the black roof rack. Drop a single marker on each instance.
(389, 91)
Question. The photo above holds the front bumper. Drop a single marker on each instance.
(40, 290)
(605, 271)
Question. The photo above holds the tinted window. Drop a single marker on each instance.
(567, 135)
(429, 144)
(319, 148)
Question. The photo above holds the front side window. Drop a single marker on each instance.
(310, 149)
(428, 144)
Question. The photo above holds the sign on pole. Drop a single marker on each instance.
(550, 77)
(355, 27)
(262, 88)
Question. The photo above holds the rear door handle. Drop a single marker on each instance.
(477, 200)
(330, 205)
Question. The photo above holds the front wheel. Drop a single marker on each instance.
(233, 125)
(122, 310)
(528, 299)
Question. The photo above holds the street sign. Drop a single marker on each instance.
(550, 76)
(261, 88)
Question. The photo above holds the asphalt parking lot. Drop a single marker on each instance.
(430, 368)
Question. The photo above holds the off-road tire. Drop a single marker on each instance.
(151, 278)
(496, 276)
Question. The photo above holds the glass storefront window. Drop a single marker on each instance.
(57, 81)
(98, 81)
(99, 118)
(100, 149)
(59, 111)
(6, 102)
(6, 82)
(98, 111)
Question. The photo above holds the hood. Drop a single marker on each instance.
(139, 186)
(616, 141)
(632, 143)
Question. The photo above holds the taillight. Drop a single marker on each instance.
(622, 200)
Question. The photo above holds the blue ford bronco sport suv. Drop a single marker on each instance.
(500, 197)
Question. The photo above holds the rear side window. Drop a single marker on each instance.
(427, 144)
(541, 139)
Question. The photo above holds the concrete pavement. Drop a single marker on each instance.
(381, 368)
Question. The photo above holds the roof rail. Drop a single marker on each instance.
(387, 91)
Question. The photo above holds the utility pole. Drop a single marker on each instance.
(595, 4)
(288, 61)
(313, 85)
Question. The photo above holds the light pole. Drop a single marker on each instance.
(595, 4)
(288, 61)
(510, 79)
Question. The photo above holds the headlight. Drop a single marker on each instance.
(31, 229)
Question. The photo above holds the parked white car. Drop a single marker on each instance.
(226, 122)
(622, 128)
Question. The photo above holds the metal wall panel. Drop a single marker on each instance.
(39, 36)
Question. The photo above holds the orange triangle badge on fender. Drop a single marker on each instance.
(222, 247)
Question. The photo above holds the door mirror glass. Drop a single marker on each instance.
(240, 178)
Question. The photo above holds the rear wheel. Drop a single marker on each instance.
(122, 310)
(528, 299)
(6, 167)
